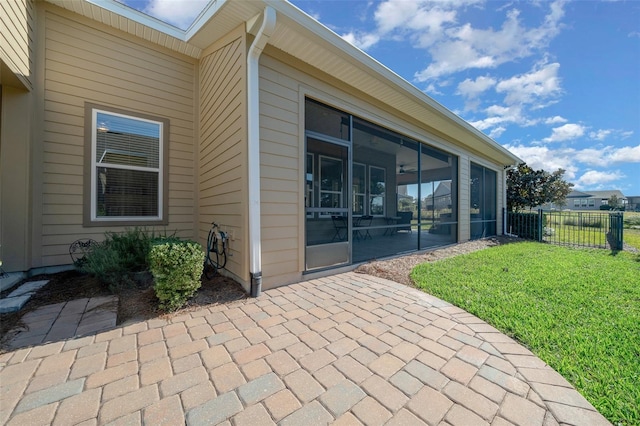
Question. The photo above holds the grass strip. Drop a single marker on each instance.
(576, 309)
(632, 237)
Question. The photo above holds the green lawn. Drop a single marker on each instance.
(632, 237)
(631, 232)
(576, 309)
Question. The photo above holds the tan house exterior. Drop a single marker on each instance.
(230, 97)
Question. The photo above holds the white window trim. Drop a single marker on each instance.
(383, 195)
(362, 194)
(94, 166)
(310, 192)
(321, 191)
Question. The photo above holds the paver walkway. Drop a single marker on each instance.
(348, 349)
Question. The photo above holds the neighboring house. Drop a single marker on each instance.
(633, 203)
(592, 200)
(440, 199)
(258, 117)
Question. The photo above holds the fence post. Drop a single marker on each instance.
(540, 225)
(615, 228)
(621, 226)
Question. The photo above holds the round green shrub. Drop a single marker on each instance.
(176, 268)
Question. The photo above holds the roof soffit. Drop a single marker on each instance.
(118, 16)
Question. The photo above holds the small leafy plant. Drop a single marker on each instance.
(119, 259)
(176, 267)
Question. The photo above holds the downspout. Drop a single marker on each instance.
(253, 145)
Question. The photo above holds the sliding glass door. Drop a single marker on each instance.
(328, 232)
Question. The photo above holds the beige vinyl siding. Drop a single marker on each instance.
(222, 176)
(88, 62)
(280, 174)
(16, 38)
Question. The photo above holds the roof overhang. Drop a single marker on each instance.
(304, 38)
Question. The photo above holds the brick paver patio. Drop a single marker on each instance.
(348, 349)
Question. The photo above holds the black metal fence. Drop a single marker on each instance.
(583, 229)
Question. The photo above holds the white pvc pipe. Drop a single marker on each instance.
(253, 121)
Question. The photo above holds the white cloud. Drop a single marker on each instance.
(626, 154)
(600, 135)
(542, 157)
(607, 155)
(454, 46)
(571, 160)
(178, 13)
(472, 88)
(464, 47)
(595, 177)
(541, 83)
(361, 40)
(592, 156)
(423, 22)
(424, 17)
(555, 120)
(567, 132)
(498, 115)
(521, 92)
(497, 132)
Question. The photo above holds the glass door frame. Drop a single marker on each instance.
(347, 200)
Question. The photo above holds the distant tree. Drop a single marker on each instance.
(530, 188)
(556, 188)
(613, 202)
(406, 203)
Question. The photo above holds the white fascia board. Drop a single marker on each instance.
(205, 15)
(142, 18)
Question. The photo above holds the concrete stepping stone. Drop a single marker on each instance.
(29, 287)
(20, 296)
(13, 304)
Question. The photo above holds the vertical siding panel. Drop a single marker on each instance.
(222, 153)
(87, 62)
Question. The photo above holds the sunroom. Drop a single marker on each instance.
(372, 192)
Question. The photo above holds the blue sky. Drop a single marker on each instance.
(556, 82)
